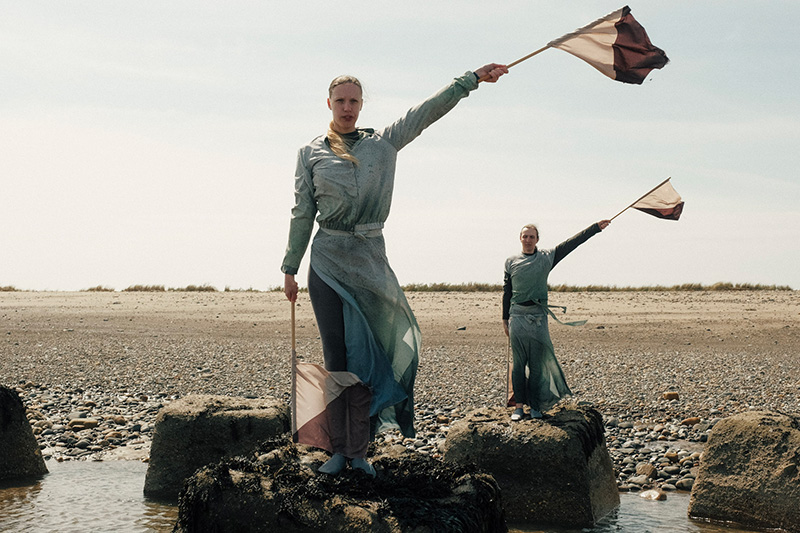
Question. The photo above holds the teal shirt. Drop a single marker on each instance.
(344, 196)
(528, 274)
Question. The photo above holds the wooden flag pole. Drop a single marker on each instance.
(642, 196)
(508, 370)
(294, 376)
(520, 60)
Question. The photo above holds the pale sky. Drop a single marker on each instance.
(155, 142)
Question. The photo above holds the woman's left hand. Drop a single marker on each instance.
(603, 224)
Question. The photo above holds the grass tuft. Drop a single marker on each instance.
(145, 288)
(197, 288)
(488, 287)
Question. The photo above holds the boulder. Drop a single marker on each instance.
(197, 430)
(21, 457)
(750, 472)
(552, 471)
(281, 491)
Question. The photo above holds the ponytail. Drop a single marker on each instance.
(338, 145)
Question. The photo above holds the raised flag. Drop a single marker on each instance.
(662, 202)
(616, 45)
(330, 410)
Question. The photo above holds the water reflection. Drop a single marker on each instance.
(82, 496)
(638, 515)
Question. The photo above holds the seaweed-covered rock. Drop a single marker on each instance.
(198, 430)
(20, 457)
(750, 472)
(281, 491)
(554, 471)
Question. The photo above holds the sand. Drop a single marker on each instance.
(721, 350)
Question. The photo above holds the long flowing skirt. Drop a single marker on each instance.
(382, 336)
(545, 383)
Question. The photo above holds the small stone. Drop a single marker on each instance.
(647, 470)
(653, 494)
(639, 480)
(670, 395)
(82, 423)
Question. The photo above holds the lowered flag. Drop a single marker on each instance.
(616, 45)
(662, 202)
(330, 410)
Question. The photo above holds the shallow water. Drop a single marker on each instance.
(85, 496)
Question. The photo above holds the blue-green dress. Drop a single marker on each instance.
(351, 203)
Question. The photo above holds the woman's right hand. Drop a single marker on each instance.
(290, 287)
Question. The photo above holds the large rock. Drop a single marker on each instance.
(280, 491)
(20, 457)
(750, 472)
(553, 471)
(197, 430)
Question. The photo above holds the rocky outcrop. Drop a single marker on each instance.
(198, 430)
(554, 471)
(281, 491)
(750, 472)
(21, 457)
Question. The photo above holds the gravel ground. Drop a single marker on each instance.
(662, 367)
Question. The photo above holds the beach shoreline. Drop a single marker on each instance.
(129, 353)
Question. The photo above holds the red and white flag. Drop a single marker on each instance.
(662, 202)
(330, 410)
(616, 45)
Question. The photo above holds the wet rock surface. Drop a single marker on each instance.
(554, 470)
(750, 472)
(201, 429)
(277, 489)
(20, 456)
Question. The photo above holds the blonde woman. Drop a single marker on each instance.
(345, 179)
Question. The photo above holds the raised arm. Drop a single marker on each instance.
(409, 126)
(563, 249)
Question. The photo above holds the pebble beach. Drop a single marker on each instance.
(94, 368)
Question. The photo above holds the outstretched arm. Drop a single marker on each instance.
(573, 242)
(409, 126)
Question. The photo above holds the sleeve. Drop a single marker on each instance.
(302, 222)
(507, 291)
(563, 249)
(408, 127)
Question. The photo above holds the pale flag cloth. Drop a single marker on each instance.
(616, 45)
(331, 410)
(662, 202)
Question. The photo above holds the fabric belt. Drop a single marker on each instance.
(525, 309)
(360, 231)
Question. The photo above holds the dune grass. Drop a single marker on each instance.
(145, 288)
(488, 287)
(465, 287)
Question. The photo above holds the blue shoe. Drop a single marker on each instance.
(518, 414)
(359, 463)
(536, 414)
(334, 465)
